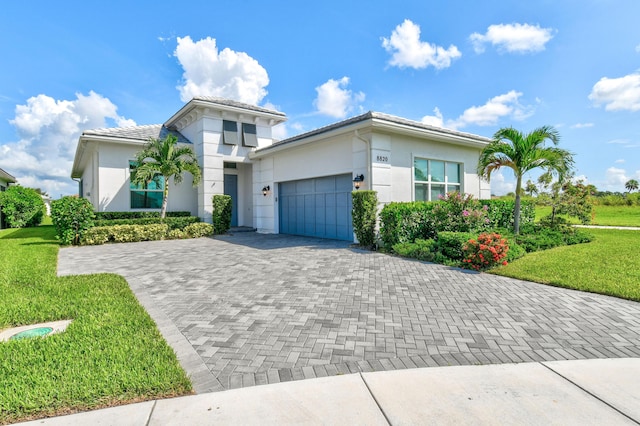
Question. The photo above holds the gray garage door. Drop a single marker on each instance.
(319, 207)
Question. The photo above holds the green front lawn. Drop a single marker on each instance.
(111, 354)
(607, 265)
(604, 215)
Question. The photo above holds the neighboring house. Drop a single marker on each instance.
(5, 180)
(301, 185)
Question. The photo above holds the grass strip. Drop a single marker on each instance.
(607, 265)
(112, 353)
(603, 215)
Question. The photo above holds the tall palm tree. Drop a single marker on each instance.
(523, 153)
(163, 157)
(631, 185)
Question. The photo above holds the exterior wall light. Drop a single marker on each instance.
(357, 180)
(266, 190)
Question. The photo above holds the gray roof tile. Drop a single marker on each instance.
(380, 116)
(141, 133)
(236, 104)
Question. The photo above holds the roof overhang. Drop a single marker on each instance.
(7, 177)
(86, 140)
(191, 109)
(376, 122)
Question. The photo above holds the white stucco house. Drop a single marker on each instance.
(5, 180)
(301, 185)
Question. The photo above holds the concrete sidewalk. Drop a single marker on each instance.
(601, 391)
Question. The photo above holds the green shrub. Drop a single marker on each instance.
(221, 213)
(21, 207)
(538, 237)
(364, 215)
(179, 222)
(125, 233)
(457, 212)
(72, 217)
(419, 249)
(516, 251)
(177, 234)
(500, 212)
(137, 215)
(197, 230)
(450, 243)
(96, 235)
(485, 252)
(577, 236)
(406, 222)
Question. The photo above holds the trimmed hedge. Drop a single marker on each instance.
(500, 212)
(137, 215)
(124, 233)
(364, 214)
(221, 215)
(173, 222)
(407, 222)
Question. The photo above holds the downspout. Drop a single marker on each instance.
(369, 167)
(80, 192)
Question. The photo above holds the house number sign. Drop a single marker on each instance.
(383, 157)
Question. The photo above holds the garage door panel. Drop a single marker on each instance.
(319, 207)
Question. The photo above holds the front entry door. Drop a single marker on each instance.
(231, 188)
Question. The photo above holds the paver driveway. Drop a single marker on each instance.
(268, 308)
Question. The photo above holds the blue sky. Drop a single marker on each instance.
(474, 66)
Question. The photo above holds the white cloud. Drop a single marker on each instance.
(500, 185)
(506, 105)
(620, 161)
(513, 38)
(582, 125)
(435, 120)
(228, 74)
(615, 179)
(617, 94)
(638, 48)
(407, 50)
(335, 100)
(49, 131)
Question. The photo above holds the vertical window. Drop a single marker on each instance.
(147, 195)
(435, 178)
(249, 135)
(229, 132)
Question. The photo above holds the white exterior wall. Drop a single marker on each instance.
(108, 189)
(333, 156)
(206, 134)
(393, 179)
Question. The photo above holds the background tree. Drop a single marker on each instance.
(522, 153)
(163, 157)
(631, 185)
(531, 188)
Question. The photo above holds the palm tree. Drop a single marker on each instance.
(522, 153)
(163, 157)
(631, 185)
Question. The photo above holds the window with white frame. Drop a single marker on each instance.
(433, 178)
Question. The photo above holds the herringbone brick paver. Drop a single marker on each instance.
(271, 308)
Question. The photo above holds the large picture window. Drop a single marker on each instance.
(148, 195)
(433, 178)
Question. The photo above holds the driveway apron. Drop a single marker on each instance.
(249, 309)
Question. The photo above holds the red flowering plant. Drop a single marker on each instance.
(489, 250)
